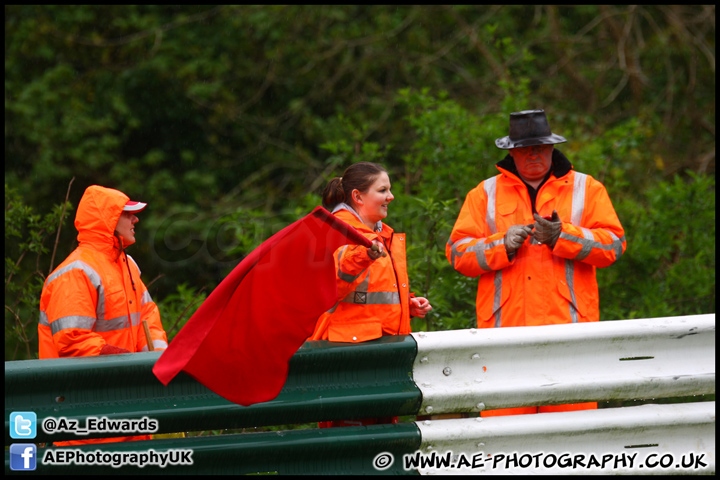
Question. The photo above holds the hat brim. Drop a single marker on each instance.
(506, 143)
(134, 206)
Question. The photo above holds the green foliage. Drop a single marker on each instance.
(449, 153)
(670, 263)
(177, 308)
(26, 239)
(669, 267)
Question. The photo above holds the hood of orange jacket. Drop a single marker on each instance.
(97, 216)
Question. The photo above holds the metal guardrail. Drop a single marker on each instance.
(348, 450)
(457, 371)
(633, 436)
(325, 382)
(477, 369)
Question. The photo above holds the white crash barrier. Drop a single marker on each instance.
(646, 439)
(477, 369)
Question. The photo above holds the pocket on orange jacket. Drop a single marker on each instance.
(362, 331)
(488, 314)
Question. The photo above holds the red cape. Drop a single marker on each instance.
(239, 342)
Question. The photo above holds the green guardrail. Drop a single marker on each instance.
(347, 450)
(326, 381)
(336, 381)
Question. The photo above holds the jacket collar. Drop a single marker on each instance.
(344, 206)
(349, 215)
(561, 166)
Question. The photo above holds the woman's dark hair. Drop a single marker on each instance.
(358, 176)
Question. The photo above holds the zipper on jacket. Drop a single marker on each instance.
(397, 282)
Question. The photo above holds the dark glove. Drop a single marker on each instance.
(112, 350)
(547, 231)
(516, 236)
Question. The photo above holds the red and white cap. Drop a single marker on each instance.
(131, 206)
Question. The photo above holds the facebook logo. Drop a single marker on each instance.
(23, 425)
(23, 456)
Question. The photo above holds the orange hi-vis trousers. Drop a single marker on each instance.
(569, 407)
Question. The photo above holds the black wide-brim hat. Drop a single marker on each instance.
(528, 128)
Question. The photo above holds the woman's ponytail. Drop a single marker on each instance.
(358, 176)
(333, 194)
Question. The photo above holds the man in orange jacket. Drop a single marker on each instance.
(534, 235)
(94, 302)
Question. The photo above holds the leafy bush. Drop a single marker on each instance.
(26, 239)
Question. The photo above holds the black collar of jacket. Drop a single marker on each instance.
(560, 164)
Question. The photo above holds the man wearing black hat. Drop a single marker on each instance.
(534, 235)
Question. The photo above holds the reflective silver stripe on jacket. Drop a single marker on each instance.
(361, 296)
(479, 249)
(90, 323)
(372, 298)
(72, 321)
(589, 243)
(156, 344)
(490, 187)
(491, 192)
(118, 323)
(498, 298)
(95, 281)
(146, 298)
(342, 275)
(569, 277)
(576, 214)
(98, 324)
(578, 199)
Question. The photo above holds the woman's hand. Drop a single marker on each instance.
(419, 307)
(377, 250)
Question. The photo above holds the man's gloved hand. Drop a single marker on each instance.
(515, 237)
(112, 350)
(547, 231)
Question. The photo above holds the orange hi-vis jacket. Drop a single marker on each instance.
(373, 296)
(539, 285)
(96, 297)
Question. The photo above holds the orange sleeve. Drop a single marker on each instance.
(472, 249)
(351, 262)
(70, 303)
(600, 238)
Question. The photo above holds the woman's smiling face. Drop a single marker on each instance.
(373, 204)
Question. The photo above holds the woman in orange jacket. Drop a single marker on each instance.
(374, 296)
(94, 302)
(534, 235)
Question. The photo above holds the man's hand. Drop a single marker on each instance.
(515, 237)
(547, 231)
